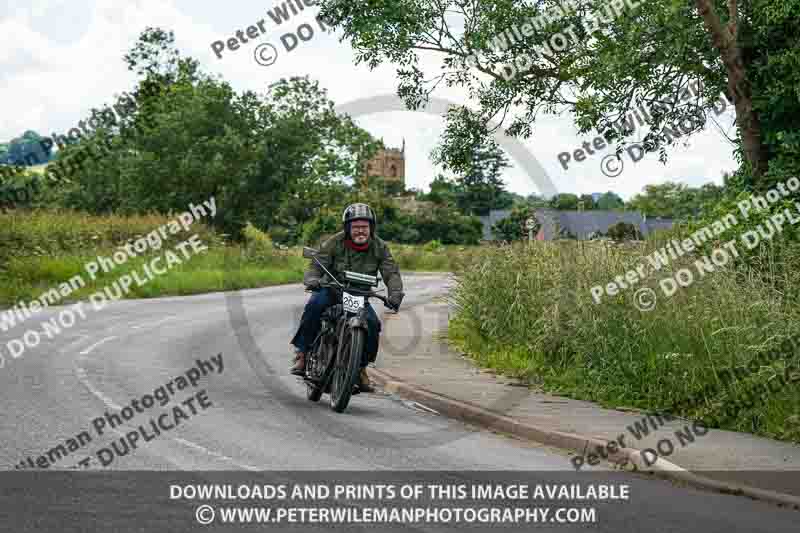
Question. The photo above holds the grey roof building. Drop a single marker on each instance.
(581, 224)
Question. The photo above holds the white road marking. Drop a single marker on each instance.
(81, 373)
(213, 454)
(154, 324)
(95, 345)
(424, 407)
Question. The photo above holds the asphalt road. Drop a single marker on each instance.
(259, 419)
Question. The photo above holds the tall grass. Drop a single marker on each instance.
(41, 249)
(48, 233)
(528, 311)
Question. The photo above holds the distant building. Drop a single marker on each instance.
(581, 224)
(389, 165)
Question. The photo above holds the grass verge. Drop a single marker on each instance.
(528, 312)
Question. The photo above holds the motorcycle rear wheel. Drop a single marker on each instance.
(319, 364)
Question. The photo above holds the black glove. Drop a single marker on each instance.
(313, 284)
(395, 300)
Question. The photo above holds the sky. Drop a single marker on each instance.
(59, 59)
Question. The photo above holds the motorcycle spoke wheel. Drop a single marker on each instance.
(348, 365)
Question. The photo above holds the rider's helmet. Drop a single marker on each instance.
(358, 212)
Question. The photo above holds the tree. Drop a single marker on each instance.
(534, 200)
(479, 186)
(587, 200)
(675, 200)
(659, 200)
(610, 201)
(647, 55)
(26, 150)
(447, 225)
(273, 160)
(443, 190)
(564, 202)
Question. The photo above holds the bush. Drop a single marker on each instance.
(281, 234)
(433, 246)
(431, 258)
(512, 228)
(256, 241)
(623, 231)
(319, 225)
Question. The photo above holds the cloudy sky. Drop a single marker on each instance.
(60, 58)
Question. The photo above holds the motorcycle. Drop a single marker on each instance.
(334, 361)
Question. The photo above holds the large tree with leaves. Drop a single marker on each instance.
(479, 187)
(648, 56)
(269, 159)
(675, 200)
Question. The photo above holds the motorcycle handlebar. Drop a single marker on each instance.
(357, 292)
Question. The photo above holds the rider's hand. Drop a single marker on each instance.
(395, 300)
(313, 285)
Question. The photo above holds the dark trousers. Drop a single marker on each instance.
(310, 324)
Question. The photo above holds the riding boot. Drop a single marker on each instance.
(364, 385)
(299, 368)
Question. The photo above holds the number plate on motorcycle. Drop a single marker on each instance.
(352, 303)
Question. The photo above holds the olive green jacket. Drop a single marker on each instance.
(337, 258)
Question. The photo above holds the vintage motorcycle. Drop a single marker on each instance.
(334, 361)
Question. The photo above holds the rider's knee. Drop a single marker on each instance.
(318, 301)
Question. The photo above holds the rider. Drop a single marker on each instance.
(356, 249)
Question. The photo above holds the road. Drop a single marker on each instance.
(259, 419)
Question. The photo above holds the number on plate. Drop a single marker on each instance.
(352, 303)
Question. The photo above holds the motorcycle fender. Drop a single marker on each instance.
(357, 322)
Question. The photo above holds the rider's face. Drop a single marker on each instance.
(360, 231)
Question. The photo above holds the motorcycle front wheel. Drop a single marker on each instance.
(348, 365)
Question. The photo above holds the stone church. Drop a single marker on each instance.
(389, 165)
